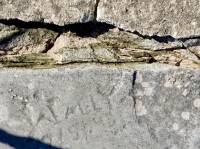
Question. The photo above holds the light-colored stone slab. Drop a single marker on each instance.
(60, 12)
(177, 18)
(148, 107)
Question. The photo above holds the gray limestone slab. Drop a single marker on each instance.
(60, 12)
(146, 106)
(176, 18)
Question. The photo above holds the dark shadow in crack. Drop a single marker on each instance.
(30, 25)
(19, 142)
(134, 78)
(133, 96)
(192, 43)
(8, 39)
(90, 29)
(163, 39)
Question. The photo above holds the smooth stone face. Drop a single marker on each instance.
(153, 17)
(60, 12)
(93, 107)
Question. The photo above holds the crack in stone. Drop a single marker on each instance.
(133, 96)
(84, 29)
(95, 11)
(51, 45)
(57, 28)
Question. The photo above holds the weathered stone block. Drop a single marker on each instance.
(60, 12)
(147, 106)
(153, 17)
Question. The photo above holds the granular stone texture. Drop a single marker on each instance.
(176, 18)
(39, 45)
(60, 12)
(93, 107)
(15, 40)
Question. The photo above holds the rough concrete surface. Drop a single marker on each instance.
(60, 12)
(177, 18)
(143, 107)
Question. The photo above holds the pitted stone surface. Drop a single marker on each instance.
(171, 107)
(148, 107)
(177, 18)
(60, 12)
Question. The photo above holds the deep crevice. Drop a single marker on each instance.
(90, 29)
(50, 45)
(80, 29)
(133, 96)
(162, 39)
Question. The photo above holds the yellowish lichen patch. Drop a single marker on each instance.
(28, 61)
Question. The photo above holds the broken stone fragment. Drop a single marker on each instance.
(193, 45)
(178, 19)
(120, 46)
(180, 57)
(71, 48)
(14, 40)
(24, 45)
(123, 39)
